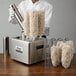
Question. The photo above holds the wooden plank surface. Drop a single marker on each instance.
(9, 67)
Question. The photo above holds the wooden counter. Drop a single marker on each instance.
(9, 67)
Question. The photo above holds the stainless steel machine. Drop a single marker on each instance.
(23, 50)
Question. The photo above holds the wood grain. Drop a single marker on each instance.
(9, 67)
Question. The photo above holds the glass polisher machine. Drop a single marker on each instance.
(25, 50)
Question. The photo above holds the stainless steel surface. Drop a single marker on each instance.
(4, 44)
(25, 51)
(17, 15)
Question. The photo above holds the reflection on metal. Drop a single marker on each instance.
(17, 15)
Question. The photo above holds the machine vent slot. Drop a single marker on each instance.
(39, 47)
(19, 51)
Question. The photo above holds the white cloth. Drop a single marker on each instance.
(28, 5)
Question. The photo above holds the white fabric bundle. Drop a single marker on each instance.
(26, 24)
(41, 22)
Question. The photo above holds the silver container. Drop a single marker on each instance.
(26, 51)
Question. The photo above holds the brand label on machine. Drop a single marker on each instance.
(19, 49)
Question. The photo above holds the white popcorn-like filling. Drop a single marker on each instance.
(26, 24)
(55, 55)
(63, 52)
(41, 22)
(67, 55)
(34, 22)
(70, 43)
(60, 44)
